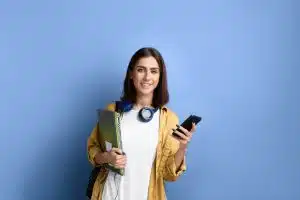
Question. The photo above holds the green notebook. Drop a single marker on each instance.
(110, 133)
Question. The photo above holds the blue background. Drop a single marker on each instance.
(235, 63)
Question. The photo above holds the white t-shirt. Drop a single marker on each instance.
(139, 141)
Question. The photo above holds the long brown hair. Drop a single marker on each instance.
(161, 93)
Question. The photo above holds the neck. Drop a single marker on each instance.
(143, 101)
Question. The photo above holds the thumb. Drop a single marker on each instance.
(193, 127)
(117, 151)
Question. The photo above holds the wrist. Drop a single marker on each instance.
(183, 147)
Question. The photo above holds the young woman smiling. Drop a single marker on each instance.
(152, 154)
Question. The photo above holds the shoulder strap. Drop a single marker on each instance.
(117, 107)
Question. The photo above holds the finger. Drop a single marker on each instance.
(121, 159)
(117, 151)
(120, 166)
(181, 135)
(193, 127)
(185, 131)
(121, 162)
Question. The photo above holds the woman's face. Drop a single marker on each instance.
(145, 75)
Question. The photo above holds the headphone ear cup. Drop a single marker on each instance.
(146, 114)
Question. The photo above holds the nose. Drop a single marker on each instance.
(147, 75)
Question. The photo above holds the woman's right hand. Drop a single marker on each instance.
(117, 158)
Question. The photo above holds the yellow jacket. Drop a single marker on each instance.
(164, 168)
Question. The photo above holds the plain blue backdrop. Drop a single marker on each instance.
(235, 63)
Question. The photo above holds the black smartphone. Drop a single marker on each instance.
(188, 123)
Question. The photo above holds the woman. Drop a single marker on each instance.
(151, 154)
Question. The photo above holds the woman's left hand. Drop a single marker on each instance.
(185, 137)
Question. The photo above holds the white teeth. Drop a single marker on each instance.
(146, 85)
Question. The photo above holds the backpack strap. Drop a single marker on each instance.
(118, 106)
(94, 173)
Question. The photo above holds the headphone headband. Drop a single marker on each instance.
(145, 114)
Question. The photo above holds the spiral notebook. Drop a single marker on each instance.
(110, 133)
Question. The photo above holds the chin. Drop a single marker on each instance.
(145, 92)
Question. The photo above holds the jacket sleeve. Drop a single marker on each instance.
(170, 171)
(93, 145)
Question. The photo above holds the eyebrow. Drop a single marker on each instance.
(140, 66)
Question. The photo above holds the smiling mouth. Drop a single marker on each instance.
(146, 84)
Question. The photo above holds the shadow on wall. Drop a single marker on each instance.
(61, 169)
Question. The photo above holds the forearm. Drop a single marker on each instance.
(175, 163)
(179, 157)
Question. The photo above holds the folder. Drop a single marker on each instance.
(110, 133)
